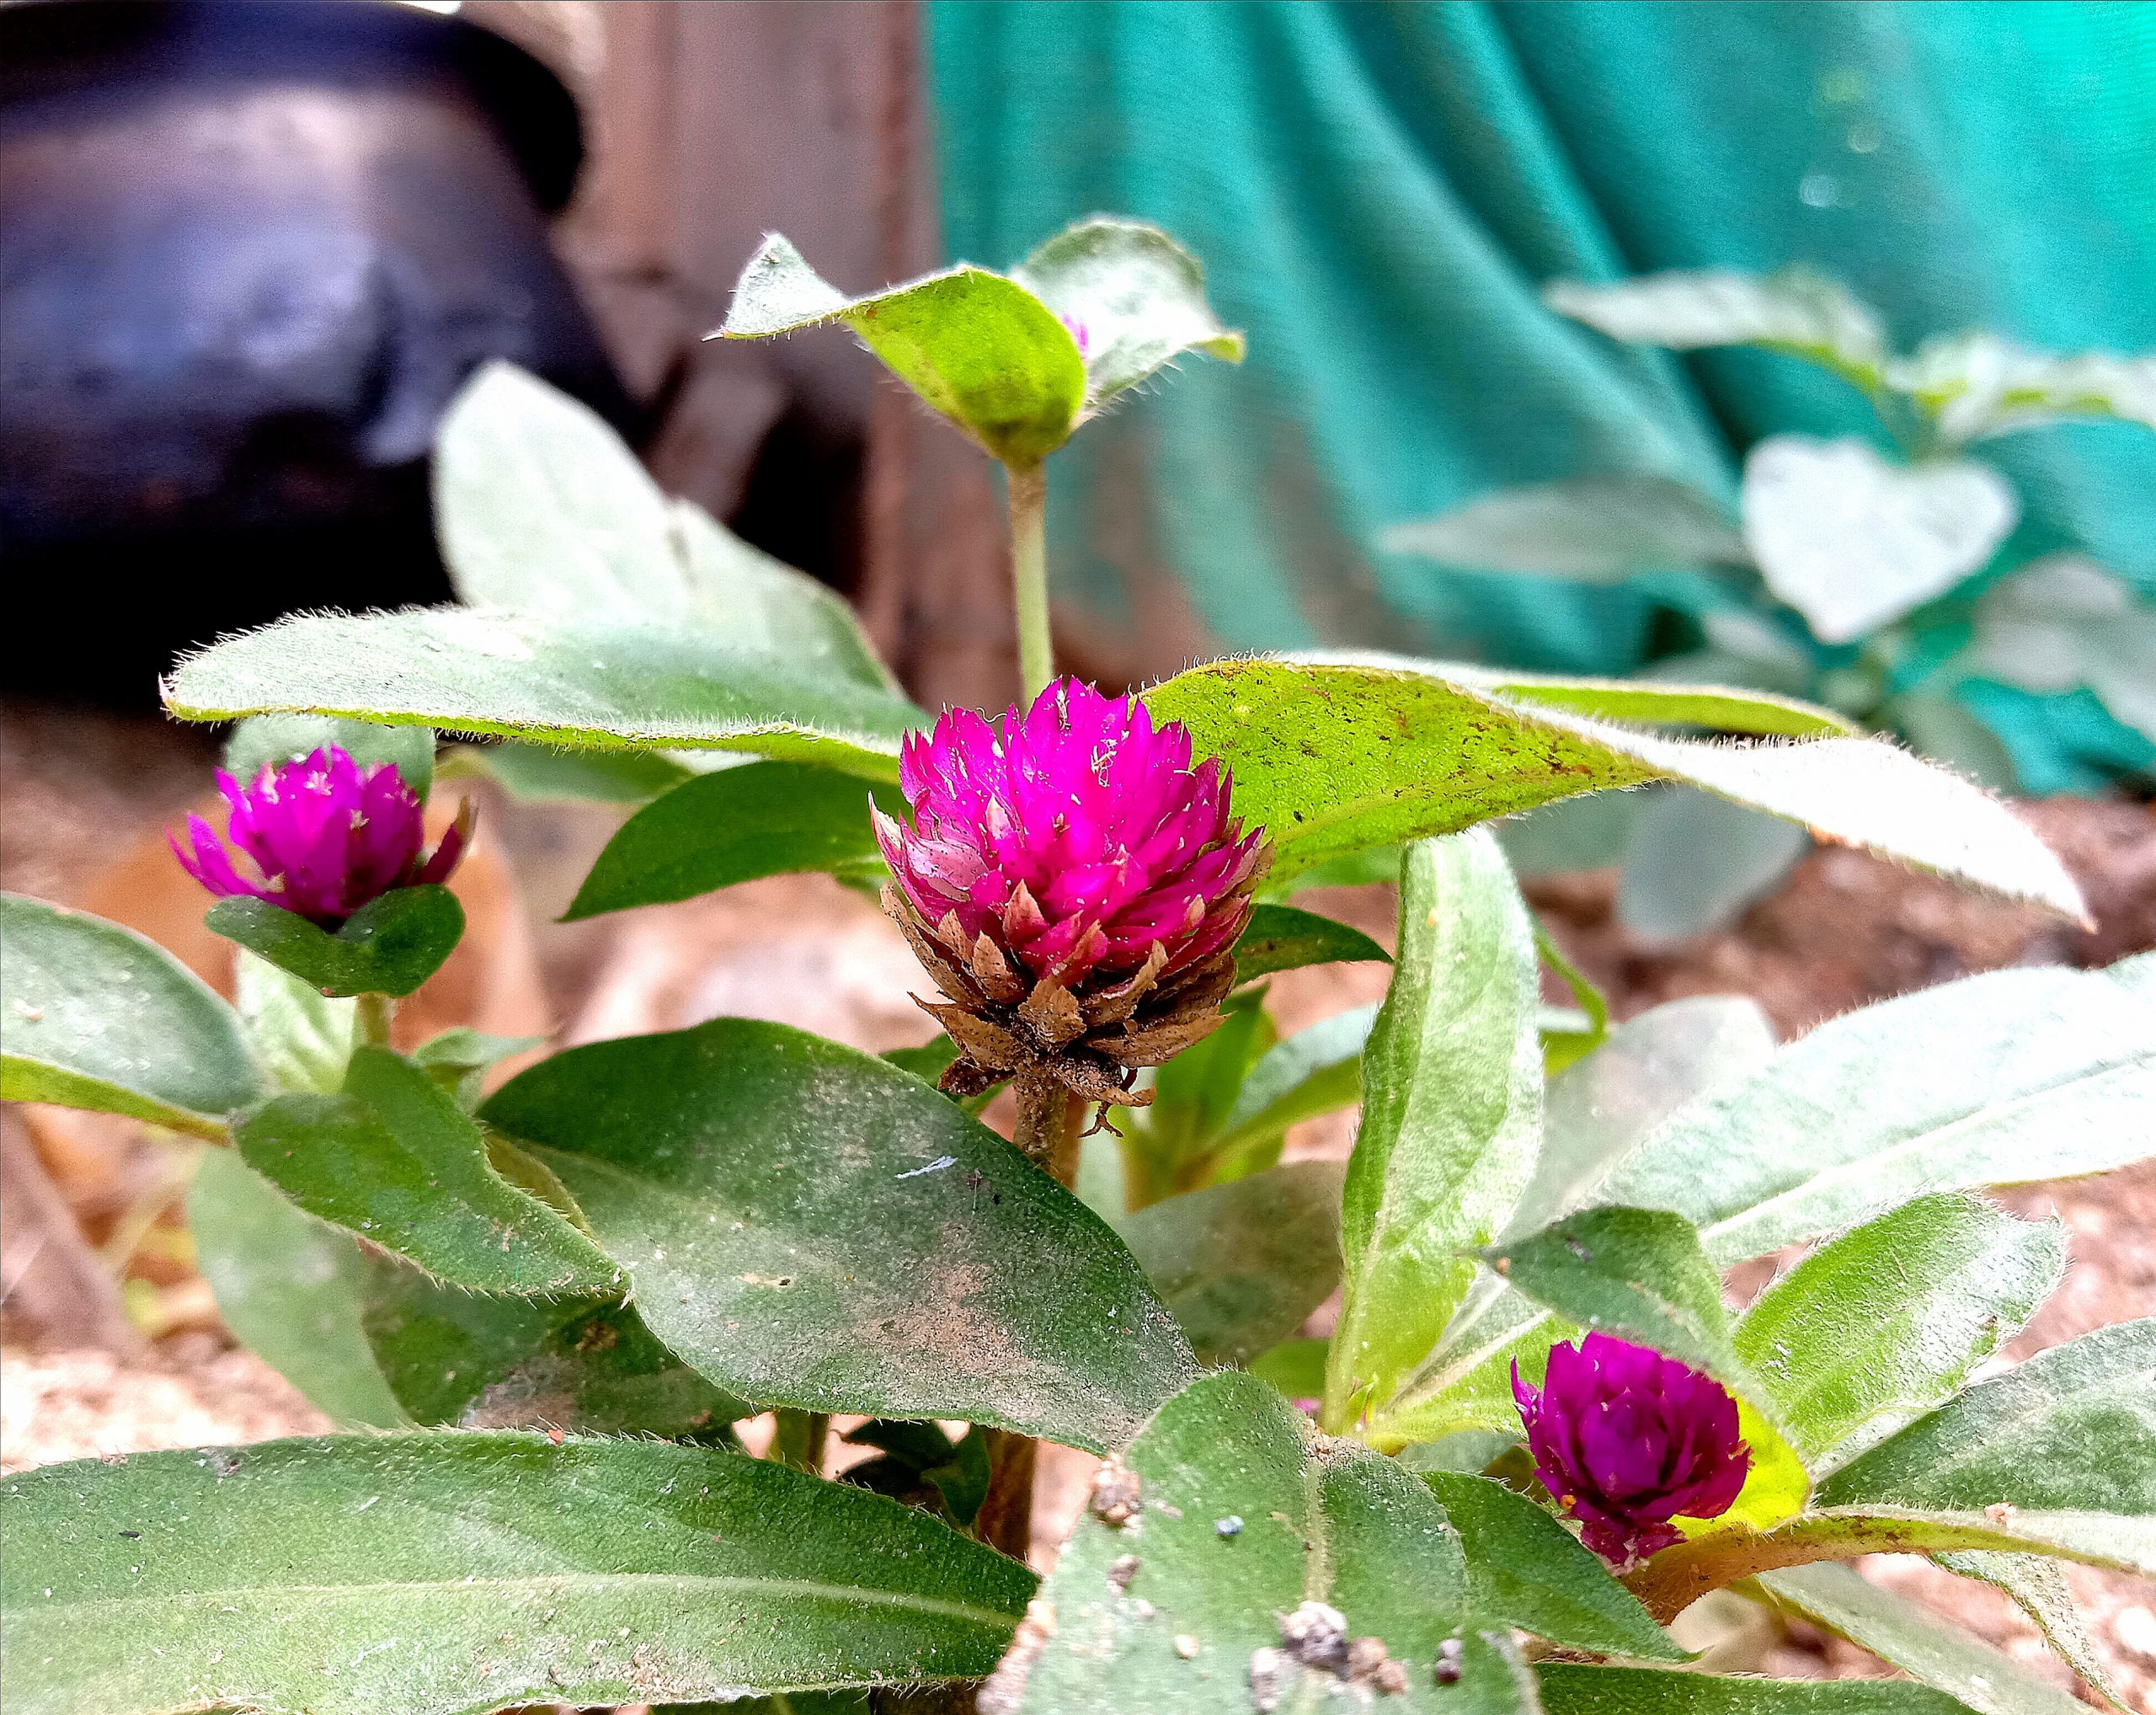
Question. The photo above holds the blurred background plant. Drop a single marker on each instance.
(1882, 583)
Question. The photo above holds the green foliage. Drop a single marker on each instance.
(270, 739)
(1694, 861)
(542, 508)
(1893, 1317)
(808, 1226)
(540, 774)
(1326, 1521)
(395, 1159)
(1916, 1640)
(289, 1288)
(1525, 1569)
(95, 1015)
(1639, 1690)
(489, 1361)
(1334, 756)
(389, 946)
(2074, 1428)
(302, 1037)
(599, 682)
(765, 819)
(1240, 1265)
(1000, 357)
(1281, 938)
(439, 1574)
(1452, 1110)
(2017, 1075)
(981, 350)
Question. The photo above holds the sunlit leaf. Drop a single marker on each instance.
(1795, 311)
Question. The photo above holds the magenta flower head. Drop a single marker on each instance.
(1075, 887)
(1627, 1439)
(324, 836)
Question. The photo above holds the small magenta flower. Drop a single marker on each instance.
(1073, 884)
(1627, 1439)
(324, 836)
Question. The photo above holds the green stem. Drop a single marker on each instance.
(371, 1021)
(1029, 576)
(1048, 1133)
(798, 1438)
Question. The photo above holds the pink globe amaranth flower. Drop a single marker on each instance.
(324, 836)
(1073, 885)
(1627, 1439)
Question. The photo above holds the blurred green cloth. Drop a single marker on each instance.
(1378, 191)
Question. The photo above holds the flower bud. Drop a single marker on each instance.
(324, 836)
(1075, 887)
(1627, 1439)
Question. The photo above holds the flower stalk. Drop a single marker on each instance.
(1028, 485)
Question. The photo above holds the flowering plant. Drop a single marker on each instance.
(539, 1313)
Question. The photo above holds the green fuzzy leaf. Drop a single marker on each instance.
(1596, 530)
(442, 1573)
(389, 946)
(485, 1361)
(2073, 1428)
(95, 1016)
(269, 739)
(302, 1037)
(1241, 1265)
(1452, 1114)
(1326, 1521)
(1891, 1317)
(1596, 1111)
(808, 1226)
(1525, 1569)
(1642, 1691)
(601, 683)
(1281, 938)
(1795, 311)
(1912, 1637)
(1636, 1272)
(540, 507)
(1998, 1079)
(1138, 295)
(395, 1159)
(980, 349)
(765, 819)
(1317, 1070)
(2040, 1589)
(1588, 1028)
(1696, 862)
(289, 1288)
(460, 1058)
(540, 774)
(1333, 756)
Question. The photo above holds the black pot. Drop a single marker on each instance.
(248, 253)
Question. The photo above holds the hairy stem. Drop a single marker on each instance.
(371, 1018)
(798, 1438)
(1029, 576)
(1047, 1132)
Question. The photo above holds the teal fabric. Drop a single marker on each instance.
(1378, 191)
